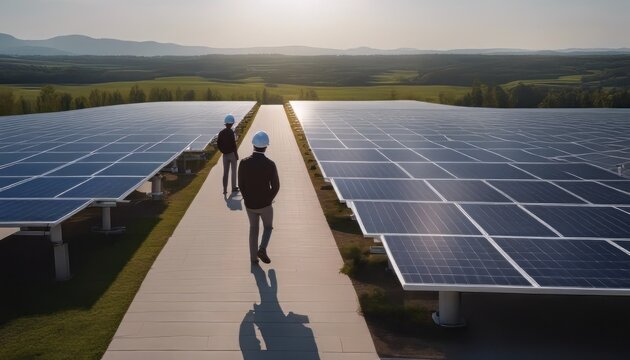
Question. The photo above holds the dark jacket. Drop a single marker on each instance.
(258, 180)
(226, 141)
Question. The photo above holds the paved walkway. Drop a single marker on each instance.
(203, 300)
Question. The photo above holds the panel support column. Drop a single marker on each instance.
(448, 314)
(106, 219)
(106, 223)
(60, 251)
(156, 187)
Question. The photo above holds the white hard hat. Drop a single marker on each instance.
(229, 119)
(261, 139)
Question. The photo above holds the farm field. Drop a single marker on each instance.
(230, 91)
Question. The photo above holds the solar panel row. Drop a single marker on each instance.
(57, 163)
(482, 198)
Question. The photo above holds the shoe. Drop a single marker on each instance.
(236, 189)
(262, 255)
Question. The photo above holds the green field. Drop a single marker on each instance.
(567, 80)
(230, 91)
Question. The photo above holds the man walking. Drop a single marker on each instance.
(259, 181)
(227, 145)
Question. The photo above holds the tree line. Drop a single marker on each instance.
(50, 100)
(530, 96)
(333, 70)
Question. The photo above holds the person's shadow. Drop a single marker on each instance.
(233, 201)
(282, 335)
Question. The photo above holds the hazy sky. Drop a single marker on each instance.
(430, 24)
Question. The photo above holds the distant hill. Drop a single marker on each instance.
(85, 45)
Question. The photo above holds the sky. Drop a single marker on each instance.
(341, 24)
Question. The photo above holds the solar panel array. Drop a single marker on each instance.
(53, 165)
(469, 199)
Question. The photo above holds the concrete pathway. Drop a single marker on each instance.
(203, 300)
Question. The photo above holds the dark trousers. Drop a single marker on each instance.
(255, 215)
(229, 161)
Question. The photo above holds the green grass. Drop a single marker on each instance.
(77, 319)
(377, 305)
(228, 90)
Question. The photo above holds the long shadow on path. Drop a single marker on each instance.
(283, 336)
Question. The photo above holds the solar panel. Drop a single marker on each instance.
(535, 192)
(572, 148)
(43, 187)
(386, 144)
(570, 263)
(412, 218)
(159, 157)
(80, 169)
(467, 191)
(440, 260)
(378, 189)
(9, 157)
(585, 221)
(326, 144)
(624, 244)
(130, 169)
(403, 155)
(36, 212)
(78, 147)
(359, 144)
(421, 144)
(483, 155)
(6, 181)
(349, 155)
(596, 193)
(623, 185)
(443, 155)
(104, 188)
(544, 177)
(506, 220)
(28, 169)
(567, 171)
(452, 144)
(174, 147)
(103, 157)
(520, 155)
(120, 147)
(55, 157)
(482, 171)
(426, 171)
(362, 170)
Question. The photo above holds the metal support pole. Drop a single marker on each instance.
(60, 250)
(448, 314)
(156, 187)
(106, 219)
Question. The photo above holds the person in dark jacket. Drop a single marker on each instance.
(258, 177)
(227, 145)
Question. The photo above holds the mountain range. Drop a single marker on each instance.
(71, 45)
